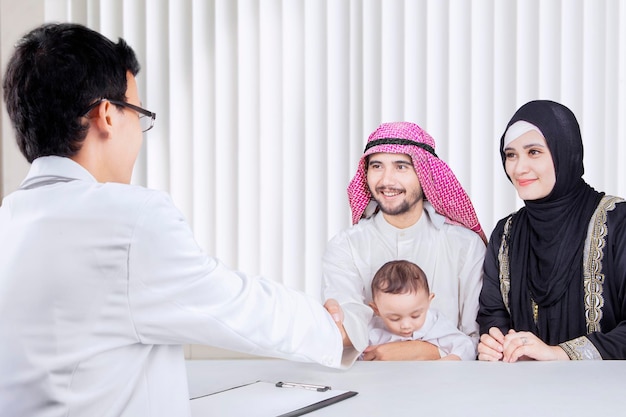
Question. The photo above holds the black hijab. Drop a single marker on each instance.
(548, 235)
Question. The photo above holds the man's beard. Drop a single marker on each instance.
(405, 207)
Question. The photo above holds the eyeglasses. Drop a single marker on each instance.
(146, 117)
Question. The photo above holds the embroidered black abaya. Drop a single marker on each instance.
(546, 245)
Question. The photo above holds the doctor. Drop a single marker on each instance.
(102, 282)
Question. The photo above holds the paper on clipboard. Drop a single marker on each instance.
(264, 399)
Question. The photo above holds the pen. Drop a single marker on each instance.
(312, 387)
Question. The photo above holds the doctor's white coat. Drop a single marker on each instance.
(102, 284)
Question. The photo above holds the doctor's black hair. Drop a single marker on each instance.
(57, 70)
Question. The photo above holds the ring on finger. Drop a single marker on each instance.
(524, 340)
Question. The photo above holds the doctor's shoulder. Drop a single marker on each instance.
(135, 198)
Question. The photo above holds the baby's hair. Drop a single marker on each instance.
(399, 277)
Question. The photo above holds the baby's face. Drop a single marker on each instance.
(403, 314)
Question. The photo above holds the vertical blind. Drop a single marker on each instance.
(264, 106)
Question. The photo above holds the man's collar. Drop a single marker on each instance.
(435, 218)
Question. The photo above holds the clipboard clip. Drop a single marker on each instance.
(311, 387)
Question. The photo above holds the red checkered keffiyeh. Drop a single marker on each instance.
(440, 185)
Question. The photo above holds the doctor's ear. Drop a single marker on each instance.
(101, 117)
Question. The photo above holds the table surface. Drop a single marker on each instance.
(444, 388)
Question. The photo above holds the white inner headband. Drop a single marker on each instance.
(516, 130)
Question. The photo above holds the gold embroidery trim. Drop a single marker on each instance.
(504, 271)
(503, 258)
(593, 278)
(580, 349)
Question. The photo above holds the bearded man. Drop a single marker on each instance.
(406, 204)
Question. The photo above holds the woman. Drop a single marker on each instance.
(555, 271)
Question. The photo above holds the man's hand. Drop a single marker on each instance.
(333, 307)
(411, 350)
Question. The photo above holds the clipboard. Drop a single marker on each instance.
(266, 399)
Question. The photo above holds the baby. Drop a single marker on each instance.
(401, 303)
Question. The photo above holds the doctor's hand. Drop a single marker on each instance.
(333, 307)
(491, 345)
(525, 345)
(410, 350)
